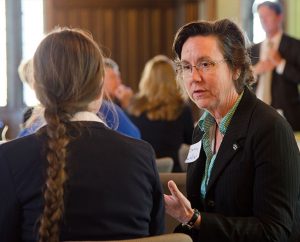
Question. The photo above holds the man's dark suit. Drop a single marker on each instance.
(112, 192)
(284, 87)
(254, 187)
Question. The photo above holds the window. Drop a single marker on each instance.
(258, 32)
(32, 31)
(3, 79)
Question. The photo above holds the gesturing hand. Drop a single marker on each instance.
(177, 205)
(263, 66)
(124, 95)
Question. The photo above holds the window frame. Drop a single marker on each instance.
(11, 114)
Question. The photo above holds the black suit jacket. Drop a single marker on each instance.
(113, 189)
(166, 137)
(253, 192)
(284, 88)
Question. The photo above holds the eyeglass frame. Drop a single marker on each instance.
(204, 69)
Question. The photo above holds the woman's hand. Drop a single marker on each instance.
(177, 205)
(124, 95)
(262, 67)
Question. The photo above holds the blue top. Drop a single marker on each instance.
(110, 113)
(116, 119)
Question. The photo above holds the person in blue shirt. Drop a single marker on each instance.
(113, 85)
(113, 115)
(117, 119)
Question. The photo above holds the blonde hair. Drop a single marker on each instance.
(68, 74)
(25, 71)
(158, 97)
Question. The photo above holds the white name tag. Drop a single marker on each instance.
(194, 152)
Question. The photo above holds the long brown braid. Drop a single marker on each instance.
(68, 73)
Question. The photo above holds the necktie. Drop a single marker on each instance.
(270, 44)
(263, 90)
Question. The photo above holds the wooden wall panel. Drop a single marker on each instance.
(129, 31)
(191, 12)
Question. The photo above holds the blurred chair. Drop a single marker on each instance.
(3, 130)
(297, 136)
(182, 155)
(176, 237)
(164, 164)
(180, 180)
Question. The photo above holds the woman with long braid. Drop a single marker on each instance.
(76, 179)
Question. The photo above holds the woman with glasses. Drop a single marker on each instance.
(243, 178)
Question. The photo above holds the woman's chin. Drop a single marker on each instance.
(200, 100)
(202, 104)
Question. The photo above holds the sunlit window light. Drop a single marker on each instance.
(32, 25)
(3, 79)
(258, 32)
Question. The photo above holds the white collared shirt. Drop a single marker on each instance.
(79, 116)
(86, 116)
(275, 45)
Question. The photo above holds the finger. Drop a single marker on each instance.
(170, 204)
(167, 199)
(172, 186)
(174, 189)
(170, 200)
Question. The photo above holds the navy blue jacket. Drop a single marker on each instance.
(112, 192)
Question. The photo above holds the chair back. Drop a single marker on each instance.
(180, 180)
(164, 164)
(176, 237)
(3, 130)
(182, 155)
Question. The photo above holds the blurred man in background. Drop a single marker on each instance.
(276, 64)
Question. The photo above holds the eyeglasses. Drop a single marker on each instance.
(204, 66)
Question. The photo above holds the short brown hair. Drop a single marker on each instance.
(275, 6)
(231, 42)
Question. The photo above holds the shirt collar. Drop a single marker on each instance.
(275, 40)
(207, 120)
(86, 116)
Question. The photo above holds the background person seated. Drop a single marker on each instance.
(112, 114)
(159, 110)
(115, 89)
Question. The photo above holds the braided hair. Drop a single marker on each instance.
(68, 73)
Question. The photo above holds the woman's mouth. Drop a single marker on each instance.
(198, 94)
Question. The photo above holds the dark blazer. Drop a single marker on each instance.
(254, 188)
(166, 137)
(113, 189)
(284, 87)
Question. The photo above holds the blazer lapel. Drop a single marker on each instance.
(284, 47)
(234, 138)
(195, 172)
